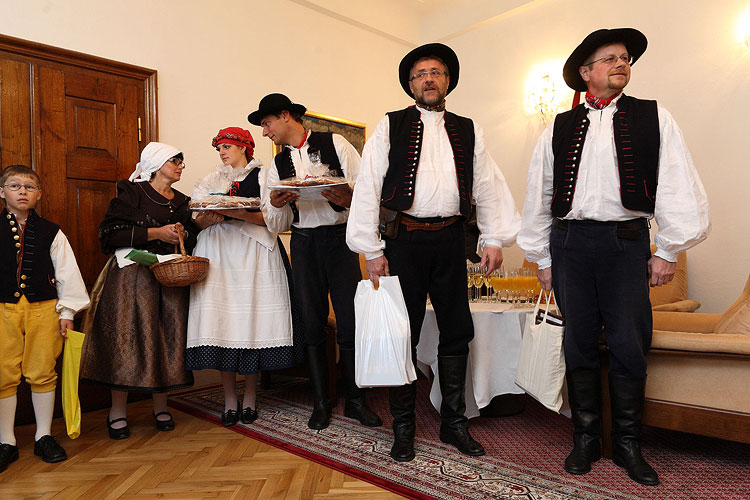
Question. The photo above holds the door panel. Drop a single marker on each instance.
(91, 139)
(89, 201)
(15, 114)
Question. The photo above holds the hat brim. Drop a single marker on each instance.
(256, 116)
(442, 52)
(634, 41)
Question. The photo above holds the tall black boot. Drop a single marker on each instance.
(356, 404)
(584, 396)
(403, 400)
(627, 396)
(454, 426)
(317, 362)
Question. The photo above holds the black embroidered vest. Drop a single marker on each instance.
(406, 130)
(323, 142)
(26, 267)
(249, 187)
(636, 135)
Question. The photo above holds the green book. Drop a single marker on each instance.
(142, 257)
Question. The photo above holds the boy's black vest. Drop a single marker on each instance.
(636, 134)
(323, 142)
(25, 264)
(406, 130)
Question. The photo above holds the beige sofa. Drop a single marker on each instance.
(699, 373)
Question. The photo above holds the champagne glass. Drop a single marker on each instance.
(478, 282)
(470, 282)
(487, 280)
(496, 284)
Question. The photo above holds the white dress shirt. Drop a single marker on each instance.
(681, 210)
(71, 290)
(435, 190)
(315, 213)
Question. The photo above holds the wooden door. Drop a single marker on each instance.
(80, 122)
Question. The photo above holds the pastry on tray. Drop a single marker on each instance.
(223, 202)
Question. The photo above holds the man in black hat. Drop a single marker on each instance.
(429, 166)
(321, 260)
(597, 175)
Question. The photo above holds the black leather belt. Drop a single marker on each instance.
(626, 230)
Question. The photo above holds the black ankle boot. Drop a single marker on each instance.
(356, 405)
(454, 426)
(317, 362)
(403, 399)
(627, 395)
(584, 396)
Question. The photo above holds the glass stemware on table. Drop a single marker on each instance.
(518, 286)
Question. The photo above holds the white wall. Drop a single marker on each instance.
(217, 59)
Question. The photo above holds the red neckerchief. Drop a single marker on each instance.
(599, 102)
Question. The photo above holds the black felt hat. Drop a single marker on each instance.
(442, 52)
(634, 41)
(274, 104)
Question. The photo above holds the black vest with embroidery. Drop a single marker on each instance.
(249, 187)
(406, 131)
(636, 135)
(26, 267)
(321, 141)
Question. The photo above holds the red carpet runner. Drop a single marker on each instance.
(524, 452)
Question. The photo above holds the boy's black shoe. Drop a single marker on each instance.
(49, 449)
(8, 455)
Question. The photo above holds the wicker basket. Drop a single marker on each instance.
(182, 271)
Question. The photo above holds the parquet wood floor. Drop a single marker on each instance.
(197, 460)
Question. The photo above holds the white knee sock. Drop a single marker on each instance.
(8, 420)
(44, 406)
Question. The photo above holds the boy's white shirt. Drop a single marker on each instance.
(71, 290)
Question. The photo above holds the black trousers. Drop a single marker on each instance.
(433, 262)
(601, 280)
(323, 263)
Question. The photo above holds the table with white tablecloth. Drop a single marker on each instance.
(493, 354)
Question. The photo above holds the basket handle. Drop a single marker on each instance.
(182, 242)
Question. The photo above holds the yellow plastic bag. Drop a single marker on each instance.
(70, 369)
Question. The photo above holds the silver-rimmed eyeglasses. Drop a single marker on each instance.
(434, 73)
(178, 163)
(14, 186)
(627, 59)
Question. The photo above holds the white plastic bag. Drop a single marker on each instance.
(382, 338)
(541, 365)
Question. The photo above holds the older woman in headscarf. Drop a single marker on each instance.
(137, 340)
(240, 319)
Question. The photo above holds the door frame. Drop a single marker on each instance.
(27, 48)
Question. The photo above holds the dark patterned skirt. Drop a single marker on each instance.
(137, 340)
(249, 361)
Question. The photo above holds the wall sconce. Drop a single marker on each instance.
(546, 92)
(742, 28)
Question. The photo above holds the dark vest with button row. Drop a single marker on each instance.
(406, 131)
(323, 142)
(636, 134)
(25, 264)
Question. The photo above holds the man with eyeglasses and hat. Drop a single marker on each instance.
(598, 174)
(426, 167)
(321, 261)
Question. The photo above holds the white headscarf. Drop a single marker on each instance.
(153, 156)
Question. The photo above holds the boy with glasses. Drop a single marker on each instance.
(592, 188)
(41, 290)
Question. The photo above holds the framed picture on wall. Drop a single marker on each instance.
(354, 132)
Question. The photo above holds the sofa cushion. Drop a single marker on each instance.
(736, 319)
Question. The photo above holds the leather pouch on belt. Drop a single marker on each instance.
(389, 221)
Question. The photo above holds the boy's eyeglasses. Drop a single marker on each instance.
(13, 186)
